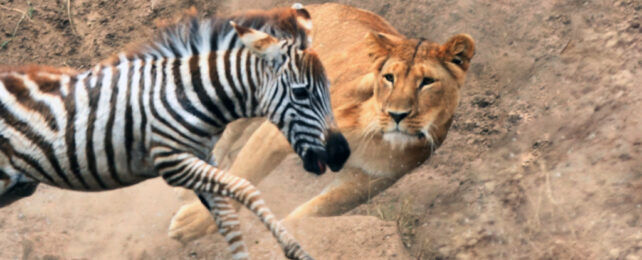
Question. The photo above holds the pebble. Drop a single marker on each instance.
(490, 186)
(444, 250)
(610, 43)
(471, 242)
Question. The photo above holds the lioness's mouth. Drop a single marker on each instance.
(403, 138)
(419, 135)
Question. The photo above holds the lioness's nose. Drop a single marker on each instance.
(398, 116)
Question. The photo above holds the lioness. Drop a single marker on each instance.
(393, 98)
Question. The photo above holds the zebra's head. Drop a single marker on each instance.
(296, 98)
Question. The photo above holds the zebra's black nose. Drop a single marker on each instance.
(338, 151)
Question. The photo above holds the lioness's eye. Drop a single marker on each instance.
(457, 60)
(300, 93)
(389, 77)
(426, 81)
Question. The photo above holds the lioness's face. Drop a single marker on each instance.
(417, 87)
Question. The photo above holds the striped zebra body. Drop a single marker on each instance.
(94, 132)
(160, 110)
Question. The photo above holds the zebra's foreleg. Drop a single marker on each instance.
(227, 223)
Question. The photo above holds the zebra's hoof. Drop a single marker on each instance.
(18, 191)
(294, 251)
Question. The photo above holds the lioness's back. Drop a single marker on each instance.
(343, 26)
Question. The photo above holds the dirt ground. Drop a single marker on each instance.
(544, 160)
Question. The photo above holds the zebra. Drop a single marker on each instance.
(158, 109)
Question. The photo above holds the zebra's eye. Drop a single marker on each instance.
(300, 93)
(389, 77)
(426, 81)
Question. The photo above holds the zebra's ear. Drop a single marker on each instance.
(260, 43)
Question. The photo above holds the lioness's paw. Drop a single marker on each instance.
(191, 222)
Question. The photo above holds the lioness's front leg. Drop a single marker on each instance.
(351, 188)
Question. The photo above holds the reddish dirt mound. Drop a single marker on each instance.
(544, 160)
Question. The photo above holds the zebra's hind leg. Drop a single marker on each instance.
(14, 186)
(227, 222)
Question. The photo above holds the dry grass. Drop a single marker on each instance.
(401, 213)
(25, 15)
(549, 224)
(71, 20)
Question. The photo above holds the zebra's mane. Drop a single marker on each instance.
(192, 35)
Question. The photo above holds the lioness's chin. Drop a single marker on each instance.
(401, 140)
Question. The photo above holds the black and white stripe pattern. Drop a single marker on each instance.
(159, 111)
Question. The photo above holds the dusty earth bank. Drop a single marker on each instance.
(543, 161)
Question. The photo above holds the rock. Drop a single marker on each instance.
(482, 102)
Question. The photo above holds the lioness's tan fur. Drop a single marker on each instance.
(357, 48)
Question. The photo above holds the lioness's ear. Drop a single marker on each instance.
(381, 44)
(458, 50)
(260, 43)
(303, 17)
